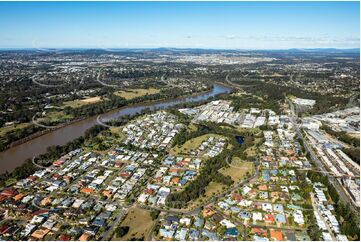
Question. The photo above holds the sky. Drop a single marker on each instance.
(222, 25)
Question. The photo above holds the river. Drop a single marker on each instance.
(15, 156)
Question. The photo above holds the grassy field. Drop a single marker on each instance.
(251, 151)
(105, 140)
(91, 100)
(212, 189)
(133, 93)
(115, 137)
(78, 103)
(117, 133)
(139, 222)
(4, 130)
(239, 169)
(191, 127)
(192, 144)
(254, 131)
(57, 116)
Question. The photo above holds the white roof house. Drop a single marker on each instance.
(227, 223)
(267, 207)
(304, 102)
(298, 217)
(257, 216)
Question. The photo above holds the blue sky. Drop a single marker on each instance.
(240, 25)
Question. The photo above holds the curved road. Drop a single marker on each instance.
(235, 84)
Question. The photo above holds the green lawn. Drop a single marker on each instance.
(4, 130)
(238, 169)
(192, 144)
(58, 116)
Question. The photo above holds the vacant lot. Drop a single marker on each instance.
(238, 169)
(139, 222)
(133, 93)
(91, 100)
(192, 144)
(81, 102)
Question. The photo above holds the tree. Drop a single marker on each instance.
(314, 232)
(121, 231)
(154, 214)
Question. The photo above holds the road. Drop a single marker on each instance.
(322, 218)
(196, 210)
(105, 84)
(115, 223)
(237, 222)
(276, 227)
(149, 236)
(36, 164)
(344, 197)
(235, 84)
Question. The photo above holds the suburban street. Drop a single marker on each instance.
(344, 197)
(109, 232)
(319, 214)
(180, 121)
(212, 200)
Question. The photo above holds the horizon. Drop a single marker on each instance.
(170, 48)
(182, 25)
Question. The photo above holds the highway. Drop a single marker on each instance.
(344, 197)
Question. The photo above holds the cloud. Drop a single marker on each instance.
(297, 39)
(231, 36)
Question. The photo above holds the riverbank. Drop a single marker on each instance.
(47, 130)
(16, 155)
(42, 132)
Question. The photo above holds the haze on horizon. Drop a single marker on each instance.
(224, 25)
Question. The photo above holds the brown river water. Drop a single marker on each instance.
(15, 156)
